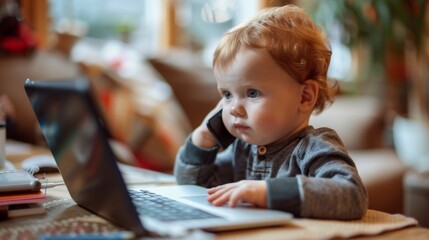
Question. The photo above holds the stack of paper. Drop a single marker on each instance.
(20, 194)
(22, 204)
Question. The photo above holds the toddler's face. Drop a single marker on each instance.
(260, 100)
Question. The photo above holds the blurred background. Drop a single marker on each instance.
(149, 62)
(149, 65)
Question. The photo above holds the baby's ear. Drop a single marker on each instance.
(309, 95)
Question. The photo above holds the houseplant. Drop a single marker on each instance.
(387, 30)
(390, 37)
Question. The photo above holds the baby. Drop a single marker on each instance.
(272, 75)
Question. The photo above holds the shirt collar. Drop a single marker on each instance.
(275, 147)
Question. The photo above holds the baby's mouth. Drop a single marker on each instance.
(240, 127)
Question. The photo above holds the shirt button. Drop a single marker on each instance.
(262, 150)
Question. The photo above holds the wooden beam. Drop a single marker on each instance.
(36, 15)
(170, 31)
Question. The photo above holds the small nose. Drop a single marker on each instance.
(237, 110)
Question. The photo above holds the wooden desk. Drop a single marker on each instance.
(60, 195)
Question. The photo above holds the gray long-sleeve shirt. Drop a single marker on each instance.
(309, 175)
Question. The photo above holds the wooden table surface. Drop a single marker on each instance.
(17, 154)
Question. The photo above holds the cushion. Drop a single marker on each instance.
(382, 173)
(141, 113)
(192, 82)
(358, 120)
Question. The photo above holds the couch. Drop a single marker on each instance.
(359, 120)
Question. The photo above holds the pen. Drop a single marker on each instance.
(92, 236)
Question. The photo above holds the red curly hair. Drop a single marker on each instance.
(292, 40)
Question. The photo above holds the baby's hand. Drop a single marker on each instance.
(250, 191)
(201, 136)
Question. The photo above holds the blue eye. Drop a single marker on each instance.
(253, 93)
(227, 95)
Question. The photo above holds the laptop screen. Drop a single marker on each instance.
(76, 134)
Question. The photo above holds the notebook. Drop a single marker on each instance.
(78, 138)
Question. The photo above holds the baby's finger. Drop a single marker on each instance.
(220, 187)
(222, 199)
(213, 189)
(236, 196)
(219, 191)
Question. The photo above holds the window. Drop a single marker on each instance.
(136, 22)
(203, 22)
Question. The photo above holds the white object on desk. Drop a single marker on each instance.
(43, 163)
(411, 139)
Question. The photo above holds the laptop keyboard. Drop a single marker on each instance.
(165, 209)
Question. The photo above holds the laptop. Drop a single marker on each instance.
(78, 138)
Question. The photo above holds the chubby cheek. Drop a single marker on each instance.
(264, 123)
(261, 119)
(269, 126)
